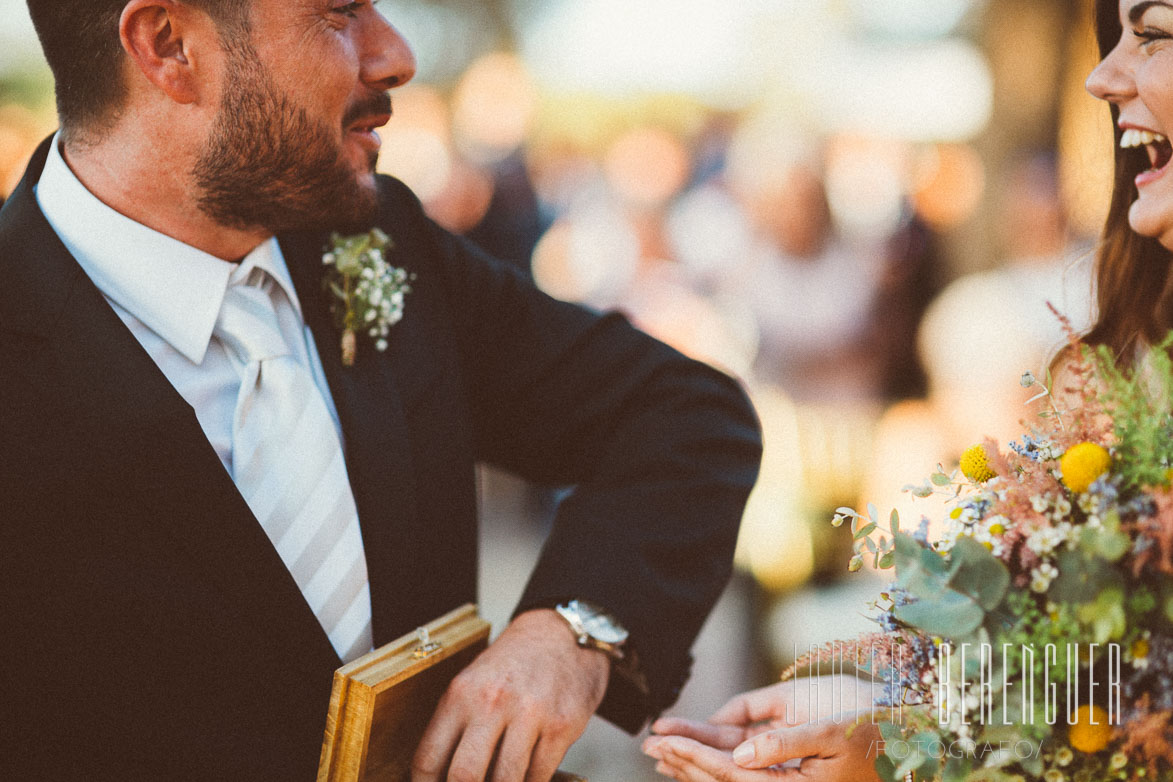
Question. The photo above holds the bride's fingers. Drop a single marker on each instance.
(666, 769)
(778, 746)
(720, 736)
(681, 770)
(698, 763)
(767, 703)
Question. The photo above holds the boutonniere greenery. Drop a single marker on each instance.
(367, 292)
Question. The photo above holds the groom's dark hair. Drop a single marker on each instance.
(82, 45)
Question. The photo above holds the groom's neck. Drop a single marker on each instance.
(144, 173)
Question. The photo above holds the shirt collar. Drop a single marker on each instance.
(174, 289)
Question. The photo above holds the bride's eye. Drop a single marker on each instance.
(1150, 35)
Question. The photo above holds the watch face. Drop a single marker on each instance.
(603, 627)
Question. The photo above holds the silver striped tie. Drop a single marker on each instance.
(287, 463)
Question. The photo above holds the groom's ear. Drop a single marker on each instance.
(172, 46)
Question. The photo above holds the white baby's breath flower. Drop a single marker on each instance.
(1042, 576)
(370, 293)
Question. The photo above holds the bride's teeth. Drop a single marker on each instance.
(1133, 137)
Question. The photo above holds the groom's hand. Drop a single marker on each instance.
(512, 714)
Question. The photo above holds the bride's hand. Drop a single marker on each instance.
(692, 751)
(777, 706)
(814, 752)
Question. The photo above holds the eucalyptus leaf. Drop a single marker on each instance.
(929, 769)
(941, 479)
(865, 531)
(979, 574)
(919, 753)
(890, 732)
(950, 614)
(886, 769)
(920, 570)
(956, 769)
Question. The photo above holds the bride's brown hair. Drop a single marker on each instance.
(1134, 289)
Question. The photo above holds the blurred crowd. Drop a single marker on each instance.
(809, 265)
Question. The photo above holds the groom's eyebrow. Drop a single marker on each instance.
(1139, 9)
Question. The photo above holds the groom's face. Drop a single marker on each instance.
(293, 145)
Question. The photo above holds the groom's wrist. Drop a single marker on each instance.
(627, 702)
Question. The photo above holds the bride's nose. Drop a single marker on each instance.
(1112, 79)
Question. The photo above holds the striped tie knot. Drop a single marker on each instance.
(247, 324)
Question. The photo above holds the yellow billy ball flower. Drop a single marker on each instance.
(975, 464)
(1082, 464)
(1085, 736)
(1140, 649)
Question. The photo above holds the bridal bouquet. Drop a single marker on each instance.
(1031, 636)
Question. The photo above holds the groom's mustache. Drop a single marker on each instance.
(377, 105)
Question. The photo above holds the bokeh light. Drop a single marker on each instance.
(647, 166)
(938, 91)
(416, 146)
(589, 256)
(493, 107)
(866, 183)
(948, 184)
(693, 47)
(910, 18)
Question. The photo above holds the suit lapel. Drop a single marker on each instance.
(123, 410)
(378, 447)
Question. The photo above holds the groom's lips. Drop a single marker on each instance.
(364, 130)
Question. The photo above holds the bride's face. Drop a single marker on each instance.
(1137, 76)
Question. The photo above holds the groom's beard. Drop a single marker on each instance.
(267, 164)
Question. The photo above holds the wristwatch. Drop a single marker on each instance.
(594, 628)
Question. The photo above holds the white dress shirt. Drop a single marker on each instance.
(169, 294)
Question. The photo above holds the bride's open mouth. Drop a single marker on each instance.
(1154, 147)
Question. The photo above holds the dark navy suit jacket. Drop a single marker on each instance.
(148, 629)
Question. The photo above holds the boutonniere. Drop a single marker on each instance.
(368, 293)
